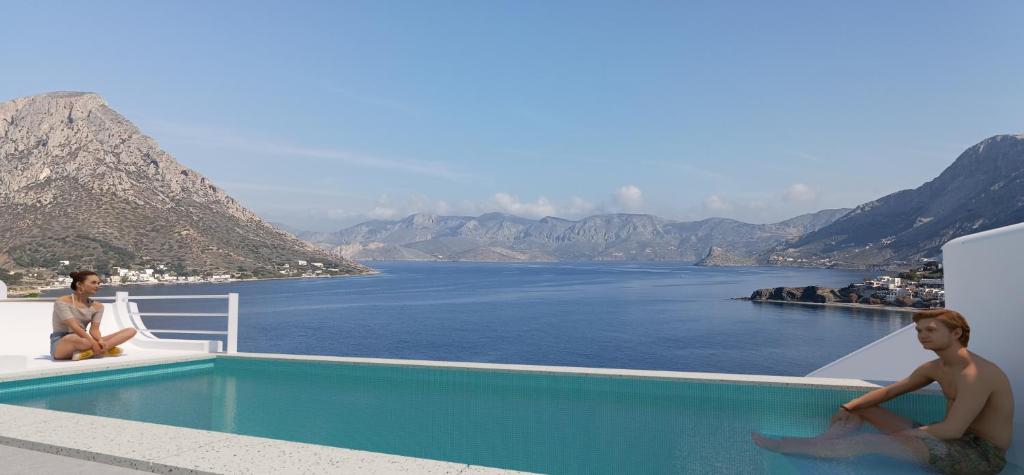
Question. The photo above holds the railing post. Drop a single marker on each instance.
(232, 323)
(121, 306)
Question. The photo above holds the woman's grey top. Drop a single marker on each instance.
(64, 311)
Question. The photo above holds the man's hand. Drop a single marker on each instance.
(97, 347)
(841, 415)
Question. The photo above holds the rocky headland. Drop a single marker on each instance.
(718, 257)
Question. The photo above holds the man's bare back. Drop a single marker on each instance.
(981, 379)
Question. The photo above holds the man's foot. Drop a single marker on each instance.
(766, 443)
(81, 355)
(115, 351)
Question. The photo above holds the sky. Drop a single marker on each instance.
(320, 115)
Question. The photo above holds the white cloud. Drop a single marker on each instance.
(717, 204)
(339, 213)
(761, 207)
(799, 192)
(383, 212)
(578, 207)
(511, 205)
(629, 197)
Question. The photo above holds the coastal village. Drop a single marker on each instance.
(157, 274)
(919, 288)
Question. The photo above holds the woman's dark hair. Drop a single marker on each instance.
(80, 276)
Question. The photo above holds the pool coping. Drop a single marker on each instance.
(106, 365)
(161, 448)
(144, 446)
(802, 381)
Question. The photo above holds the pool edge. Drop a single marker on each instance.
(221, 452)
(161, 448)
(801, 381)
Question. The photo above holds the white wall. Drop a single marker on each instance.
(891, 358)
(982, 273)
(982, 277)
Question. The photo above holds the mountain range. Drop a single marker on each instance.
(982, 189)
(80, 183)
(610, 237)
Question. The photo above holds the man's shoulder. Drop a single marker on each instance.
(985, 369)
(930, 366)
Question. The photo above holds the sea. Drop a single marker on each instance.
(658, 316)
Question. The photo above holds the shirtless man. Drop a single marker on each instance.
(974, 436)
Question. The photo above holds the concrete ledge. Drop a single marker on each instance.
(176, 450)
(63, 368)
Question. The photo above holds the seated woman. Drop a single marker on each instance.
(73, 313)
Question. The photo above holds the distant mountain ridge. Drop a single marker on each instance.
(79, 182)
(611, 237)
(983, 189)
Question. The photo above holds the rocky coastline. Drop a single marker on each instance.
(816, 295)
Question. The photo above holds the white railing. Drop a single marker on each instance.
(125, 304)
(122, 300)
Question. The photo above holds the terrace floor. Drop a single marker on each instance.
(29, 461)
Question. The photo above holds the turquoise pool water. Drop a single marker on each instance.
(539, 422)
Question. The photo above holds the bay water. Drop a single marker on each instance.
(659, 316)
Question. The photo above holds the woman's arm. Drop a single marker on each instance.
(77, 329)
(94, 326)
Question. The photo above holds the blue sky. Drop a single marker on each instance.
(324, 114)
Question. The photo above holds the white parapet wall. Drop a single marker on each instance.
(982, 278)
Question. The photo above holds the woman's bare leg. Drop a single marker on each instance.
(118, 337)
(69, 345)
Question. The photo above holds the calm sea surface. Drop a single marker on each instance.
(663, 316)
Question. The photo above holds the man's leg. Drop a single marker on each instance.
(842, 424)
(903, 447)
(886, 421)
(845, 423)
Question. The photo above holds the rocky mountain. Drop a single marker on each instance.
(79, 182)
(616, 237)
(718, 257)
(983, 189)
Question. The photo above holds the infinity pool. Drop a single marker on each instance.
(531, 421)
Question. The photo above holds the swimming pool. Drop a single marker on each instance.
(524, 420)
